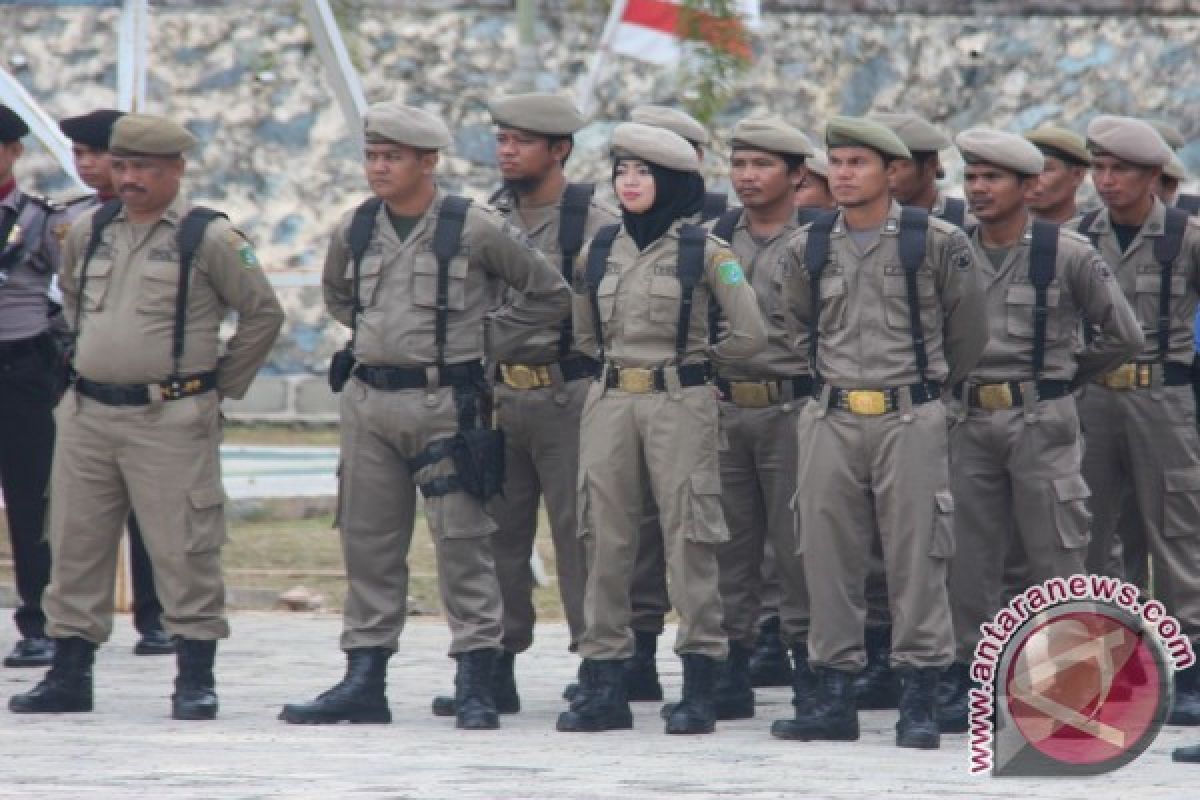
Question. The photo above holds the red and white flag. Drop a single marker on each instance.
(650, 30)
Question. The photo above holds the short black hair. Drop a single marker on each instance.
(553, 139)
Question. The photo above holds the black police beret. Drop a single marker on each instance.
(12, 127)
(92, 130)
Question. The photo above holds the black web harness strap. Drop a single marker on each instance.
(1043, 264)
(597, 264)
(572, 221)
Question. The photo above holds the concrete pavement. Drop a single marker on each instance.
(129, 748)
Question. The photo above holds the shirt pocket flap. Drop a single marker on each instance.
(206, 497)
(1182, 480)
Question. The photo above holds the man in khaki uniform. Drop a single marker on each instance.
(1015, 451)
(873, 443)
(651, 417)
(1066, 158)
(914, 181)
(1141, 418)
(416, 392)
(89, 134)
(539, 392)
(760, 400)
(141, 426)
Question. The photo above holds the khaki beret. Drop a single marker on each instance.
(12, 127)
(1175, 168)
(149, 135)
(918, 135)
(1128, 139)
(655, 146)
(538, 112)
(863, 132)
(1171, 135)
(1001, 149)
(415, 127)
(673, 120)
(1061, 143)
(818, 163)
(771, 134)
(93, 129)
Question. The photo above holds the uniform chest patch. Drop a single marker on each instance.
(166, 254)
(730, 273)
(961, 259)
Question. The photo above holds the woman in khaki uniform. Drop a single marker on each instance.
(651, 416)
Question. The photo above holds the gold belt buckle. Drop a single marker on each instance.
(750, 394)
(867, 402)
(521, 376)
(995, 396)
(1145, 376)
(1123, 377)
(635, 380)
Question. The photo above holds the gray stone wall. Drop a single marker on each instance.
(276, 153)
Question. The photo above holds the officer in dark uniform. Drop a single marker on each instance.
(29, 386)
(89, 135)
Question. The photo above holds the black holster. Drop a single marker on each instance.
(478, 456)
(340, 367)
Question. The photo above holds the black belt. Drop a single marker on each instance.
(1140, 375)
(760, 394)
(873, 402)
(18, 348)
(642, 379)
(138, 394)
(1007, 394)
(395, 378)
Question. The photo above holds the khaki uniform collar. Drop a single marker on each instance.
(172, 215)
(1153, 226)
(890, 227)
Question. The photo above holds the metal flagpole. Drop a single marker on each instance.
(585, 96)
(343, 77)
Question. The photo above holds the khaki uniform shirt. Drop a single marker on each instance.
(786, 353)
(639, 299)
(125, 330)
(540, 225)
(398, 288)
(1083, 285)
(865, 337)
(1138, 273)
(34, 249)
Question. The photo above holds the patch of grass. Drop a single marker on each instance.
(275, 435)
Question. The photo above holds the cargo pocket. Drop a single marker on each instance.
(368, 276)
(606, 296)
(665, 293)
(1071, 515)
(158, 290)
(833, 304)
(942, 544)
(99, 272)
(424, 285)
(206, 519)
(1018, 305)
(895, 301)
(707, 521)
(1181, 502)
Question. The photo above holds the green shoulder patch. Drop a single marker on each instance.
(248, 256)
(730, 273)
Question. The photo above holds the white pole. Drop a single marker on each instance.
(343, 77)
(133, 36)
(585, 97)
(41, 124)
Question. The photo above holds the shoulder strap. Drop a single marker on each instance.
(188, 237)
(1189, 203)
(914, 230)
(1043, 264)
(954, 211)
(1085, 224)
(362, 228)
(715, 204)
(727, 223)
(597, 264)
(447, 237)
(816, 256)
(689, 269)
(103, 215)
(807, 214)
(572, 220)
(1166, 250)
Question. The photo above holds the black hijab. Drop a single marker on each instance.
(676, 195)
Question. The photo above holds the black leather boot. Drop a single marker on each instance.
(67, 686)
(195, 694)
(877, 687)
(1186, 708)
(572, 689)
(1187, 755)
(918, 723)
(600, 703)
(804, 694)
(769, 665)
(154, 642)
(361, 696)
(474, 705)
(32, 651)
(641, 671)
(504, 690)
(953, 698)
(696, 712)
(733, 695)
(832, 714)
